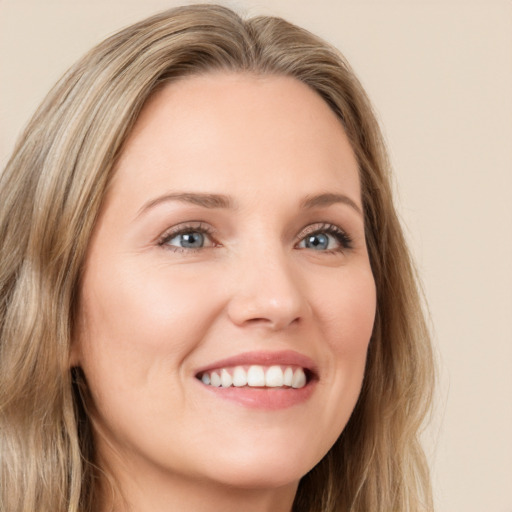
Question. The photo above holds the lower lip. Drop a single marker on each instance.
(264, 398)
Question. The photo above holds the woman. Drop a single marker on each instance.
(206, 299)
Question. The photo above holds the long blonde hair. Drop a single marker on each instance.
(50, 195)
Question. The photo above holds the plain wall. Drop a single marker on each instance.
(440, 76)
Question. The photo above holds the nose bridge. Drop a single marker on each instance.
(267, 287)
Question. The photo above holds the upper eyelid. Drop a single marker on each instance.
(207, 229)
(343, 236)
(318, 227)
(184, 228)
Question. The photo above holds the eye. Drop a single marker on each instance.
(326, 237)
(319, 242)
(183, 238)
(190, 240)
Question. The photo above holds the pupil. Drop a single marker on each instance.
(192, 240)
(317, 242)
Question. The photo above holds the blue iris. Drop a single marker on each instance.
(318, 241)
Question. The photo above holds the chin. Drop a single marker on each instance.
(266, 468)
(261, 477)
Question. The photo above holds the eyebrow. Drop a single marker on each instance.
(214, 201)
(328, 199)
(209, 201)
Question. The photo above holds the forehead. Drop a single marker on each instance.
(227, 129)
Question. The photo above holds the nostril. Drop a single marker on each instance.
(273, 322)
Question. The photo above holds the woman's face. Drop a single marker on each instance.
(230, 247)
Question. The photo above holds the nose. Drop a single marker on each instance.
(267, 292)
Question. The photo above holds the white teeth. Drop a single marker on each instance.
(274, 377)
(299, 378)
(239, 377)
(225, 379)
(215, 380)
(288, 377)
(256, 376)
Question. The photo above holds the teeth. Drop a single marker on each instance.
(215, 380)
(274, 377)
(288, 377)
(239, 377)
(299, 379)
(256, 376)
(225, 379)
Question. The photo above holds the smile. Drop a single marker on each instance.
(256, 376)
(265, 380)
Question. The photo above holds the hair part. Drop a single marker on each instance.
(51, 192)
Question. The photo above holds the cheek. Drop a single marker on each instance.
(345, 312)
(136, 323)
(348, 319)
(137, 330)
(152, 305)
(349, 313)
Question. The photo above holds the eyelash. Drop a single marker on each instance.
(344, 240)
(341, 236)
(182, 229)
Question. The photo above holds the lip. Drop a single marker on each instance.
(270, 399)
(264, 358)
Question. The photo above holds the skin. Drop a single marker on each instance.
(152, 313)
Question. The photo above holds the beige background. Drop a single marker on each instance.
(440, 75)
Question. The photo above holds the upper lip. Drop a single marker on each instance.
(263, 358)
